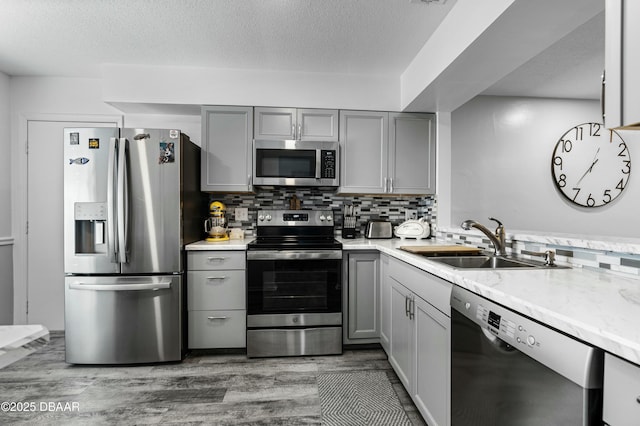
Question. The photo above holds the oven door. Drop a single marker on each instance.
(294, 282)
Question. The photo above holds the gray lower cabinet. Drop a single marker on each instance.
(419, 346)
(361, 297)
(227, 138)
(621, 405)
(216, 294)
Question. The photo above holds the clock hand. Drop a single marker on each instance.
(595, 160)
(588, 171)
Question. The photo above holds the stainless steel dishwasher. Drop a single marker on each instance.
(507, 369)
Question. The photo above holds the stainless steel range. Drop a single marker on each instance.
(294, 285)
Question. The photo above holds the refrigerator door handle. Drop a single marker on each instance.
(123, 203)
(112, 244)
(154, 286)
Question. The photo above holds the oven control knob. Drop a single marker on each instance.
(467, 305)
(268, 217)
(329, 218)
(261, 217)
(322, 218)
(531, 340)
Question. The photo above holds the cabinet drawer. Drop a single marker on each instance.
(213, 260)
(217, 329)
(621, 392)
(222, 289)
(432, 289)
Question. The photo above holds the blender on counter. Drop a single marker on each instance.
(216, 223)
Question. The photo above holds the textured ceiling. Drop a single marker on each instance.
(73, 37)
(362, 37)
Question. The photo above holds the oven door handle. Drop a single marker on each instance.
(294, 254)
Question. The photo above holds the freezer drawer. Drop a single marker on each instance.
(123, 319)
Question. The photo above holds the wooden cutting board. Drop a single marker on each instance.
(438, 250)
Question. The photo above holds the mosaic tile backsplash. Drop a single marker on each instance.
(387, 207)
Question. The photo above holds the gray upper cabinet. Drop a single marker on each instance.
(622, 63)
(227, 137)
(412, 154)
(387, 153)
(364, 142)
(298, 124)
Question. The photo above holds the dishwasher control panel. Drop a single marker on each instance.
(499, 324)
(504, 328)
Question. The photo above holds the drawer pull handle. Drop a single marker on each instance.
(218, 259)
(217, 278)
(217, 318)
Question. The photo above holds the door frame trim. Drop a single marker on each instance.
(19, 198)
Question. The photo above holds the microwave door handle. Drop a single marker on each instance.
(318, 163)
(112, 244)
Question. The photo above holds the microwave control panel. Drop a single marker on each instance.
(327, 164)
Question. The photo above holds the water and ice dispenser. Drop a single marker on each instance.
(90, 228)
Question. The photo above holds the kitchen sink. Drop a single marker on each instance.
(491, 262)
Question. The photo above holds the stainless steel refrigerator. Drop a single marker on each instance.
(131, 202)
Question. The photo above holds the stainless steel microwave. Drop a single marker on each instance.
(295, 163)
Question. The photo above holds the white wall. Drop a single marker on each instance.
(501, 166)
(6, 241)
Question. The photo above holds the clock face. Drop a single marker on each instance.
(591, 165)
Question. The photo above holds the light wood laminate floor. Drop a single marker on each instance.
(203, 389)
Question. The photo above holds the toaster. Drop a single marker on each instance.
(378, 229)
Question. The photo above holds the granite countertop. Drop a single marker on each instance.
(600, 308)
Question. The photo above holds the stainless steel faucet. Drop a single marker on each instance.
(497, 238)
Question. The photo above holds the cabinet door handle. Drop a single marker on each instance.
(390, 184)
(406, 306)
(412, 308)
(216, 259)
(217, 278)
(385, 188)
(293, 131)
(217, 318)
(299, 131)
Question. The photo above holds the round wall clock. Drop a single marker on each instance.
(591, 165)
